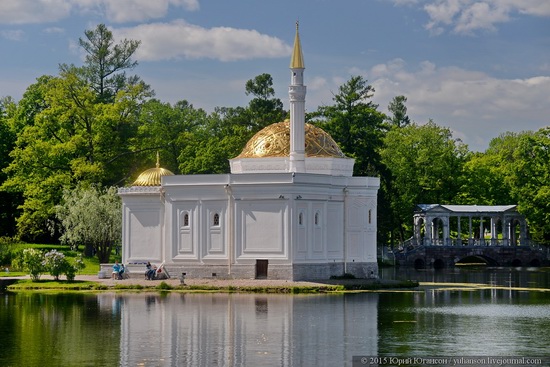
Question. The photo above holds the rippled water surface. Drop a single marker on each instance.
(485, 312)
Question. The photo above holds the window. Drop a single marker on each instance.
(216, 219)
(316, 220)
(186, 220)
(370, 216)
(301, 219)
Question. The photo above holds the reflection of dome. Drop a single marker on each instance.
(274, 141)
(152, 176)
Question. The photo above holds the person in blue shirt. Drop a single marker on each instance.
(116, 271)
(149, 271)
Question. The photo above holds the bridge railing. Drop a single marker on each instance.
(413, 244)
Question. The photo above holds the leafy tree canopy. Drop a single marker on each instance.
(106, 62)
(356, 124)
(90, 216)
(425, 163)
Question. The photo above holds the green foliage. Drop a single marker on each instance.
(356, 125)
(32, 261)
(164, 286)
(399, 112)
(8, 200)
(530, 181)
(74, 127)
(264, 110)
(91, 216)
(170, 130)
(26, 285)
(486, 176)
(6, 250)
(425, 163)
(105, 61)
(55, 263)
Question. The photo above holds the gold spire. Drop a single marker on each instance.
(297, 59)
(158, 159)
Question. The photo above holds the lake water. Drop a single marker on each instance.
(509, 317)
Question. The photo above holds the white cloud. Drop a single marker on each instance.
(15, 35)
(54, 30)
(476, 106)
(33, 11)
(119, 11)
(179, 39)
(468, 16)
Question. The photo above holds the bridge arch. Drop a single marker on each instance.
(535, 262)
(478, 259)
(419, 264)
(438, 264)
(516, 263)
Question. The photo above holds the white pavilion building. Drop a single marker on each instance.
(289, 209)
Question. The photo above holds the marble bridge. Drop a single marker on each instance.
(439, 257)
(446, 235)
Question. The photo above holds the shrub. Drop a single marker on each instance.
(164, 286)
(31, 260)
(55, 263)
(6, 250)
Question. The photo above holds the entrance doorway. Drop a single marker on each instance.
(261, 269)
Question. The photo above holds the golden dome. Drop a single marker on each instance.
(274, 141)
(152, 176)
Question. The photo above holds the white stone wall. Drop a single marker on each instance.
(225, 223)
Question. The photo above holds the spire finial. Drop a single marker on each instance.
(297, 59)
(158, 159)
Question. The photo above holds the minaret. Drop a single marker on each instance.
(297, 95)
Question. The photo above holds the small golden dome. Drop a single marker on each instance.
(274, 141)
(152, 176)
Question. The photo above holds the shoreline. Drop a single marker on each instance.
(94, 283)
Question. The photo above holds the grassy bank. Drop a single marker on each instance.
(23, 285)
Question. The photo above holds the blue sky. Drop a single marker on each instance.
(479, 67)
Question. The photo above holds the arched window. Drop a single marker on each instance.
(316, 219)
(301, 219)
(186, 219)
(216, 219)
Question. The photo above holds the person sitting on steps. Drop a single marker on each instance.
(116, 271)
(150, 271)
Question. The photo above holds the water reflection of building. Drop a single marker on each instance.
(247, 329)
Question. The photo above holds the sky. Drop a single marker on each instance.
(478, 67)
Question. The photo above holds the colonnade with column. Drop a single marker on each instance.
(495, 229)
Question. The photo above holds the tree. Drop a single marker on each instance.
(264, 110)
(106, 62)
(168, 129)
(91, 216)
(399, 112)
(530, 182)
(486, 176)
(9, 201)
(210, 146)
(425, 163)
(70, 139)
(356, 124)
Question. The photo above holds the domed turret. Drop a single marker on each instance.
(152, 176)
(274, 141)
